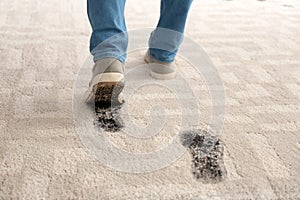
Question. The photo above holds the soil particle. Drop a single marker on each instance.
(207, 155)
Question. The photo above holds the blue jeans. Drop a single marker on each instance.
(109, 29)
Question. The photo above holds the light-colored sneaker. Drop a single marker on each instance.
(107, 81)
(160, 70)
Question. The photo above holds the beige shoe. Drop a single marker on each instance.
(107, 81)
(160, 70)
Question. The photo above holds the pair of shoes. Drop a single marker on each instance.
(108, 77)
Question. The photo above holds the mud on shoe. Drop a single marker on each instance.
(160, 70)
(107, 81)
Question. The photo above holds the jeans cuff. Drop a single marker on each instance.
(100, 56)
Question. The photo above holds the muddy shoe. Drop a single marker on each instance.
(160, 70)
(107, 81)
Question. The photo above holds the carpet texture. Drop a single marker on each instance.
(255, 46)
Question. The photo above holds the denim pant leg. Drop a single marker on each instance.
(167, 37)
(109, 37)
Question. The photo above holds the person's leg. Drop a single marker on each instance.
(108, 45)
(166, 39)
(109, 29)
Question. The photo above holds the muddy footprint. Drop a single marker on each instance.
(207, 155)
(108, 116)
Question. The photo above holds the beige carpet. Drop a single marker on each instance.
(255, 46)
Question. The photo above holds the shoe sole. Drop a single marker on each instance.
(105, 88)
